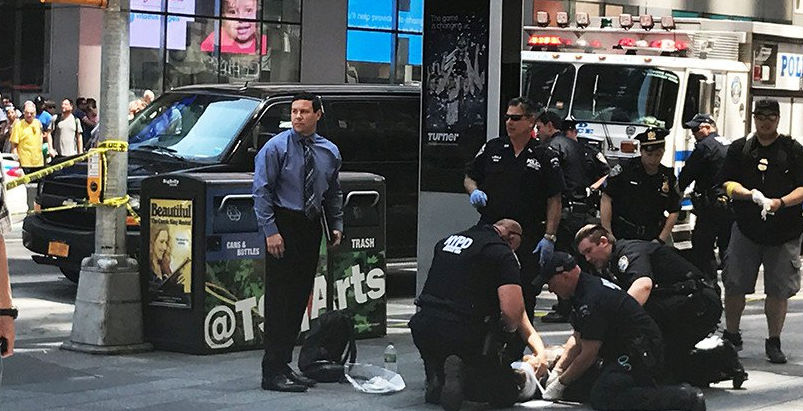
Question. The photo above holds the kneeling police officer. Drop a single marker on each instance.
(610, 324)
(459, 330)
(674, 292)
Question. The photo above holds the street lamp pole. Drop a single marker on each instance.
(108, 307)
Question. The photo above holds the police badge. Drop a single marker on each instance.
(763, 164)
(623, 263)
(665, 185)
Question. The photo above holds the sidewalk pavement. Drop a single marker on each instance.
(43, 377)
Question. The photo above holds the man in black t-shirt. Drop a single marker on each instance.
(763, 175)
(608, 323)
(515, 177)
(458, 331)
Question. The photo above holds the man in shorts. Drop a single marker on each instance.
(763, 175)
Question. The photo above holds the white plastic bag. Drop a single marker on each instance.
(373, 379)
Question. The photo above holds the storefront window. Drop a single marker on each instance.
(288, 11)
(211, 41)
(373, 33)
(282, 59)
(196, 62)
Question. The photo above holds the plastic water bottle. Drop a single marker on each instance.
(390, 358)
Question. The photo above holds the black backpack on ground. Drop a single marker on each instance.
(329, 344)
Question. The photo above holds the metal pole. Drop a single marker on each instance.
(108, 309)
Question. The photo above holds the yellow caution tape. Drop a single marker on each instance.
(102, 148)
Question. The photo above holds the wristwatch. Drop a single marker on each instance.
(551, 237)
(9, 312)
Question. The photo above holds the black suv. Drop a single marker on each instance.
(219, 128)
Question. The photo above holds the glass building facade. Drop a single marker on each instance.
(181, 42)
(384, 41)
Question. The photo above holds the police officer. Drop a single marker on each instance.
(514, 177)
(458, 331)
(671, 289)
(639, 191)
(577, 209)
(595, 164)
(763, 174)
(714, 217)
(610, 324)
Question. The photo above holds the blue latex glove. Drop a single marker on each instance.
(546, 248)
(478, 198)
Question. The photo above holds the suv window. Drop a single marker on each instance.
(198, 127)
(401, 123)
(354, 127)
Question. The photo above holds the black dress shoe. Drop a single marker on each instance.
(298, 378)
(281, 383)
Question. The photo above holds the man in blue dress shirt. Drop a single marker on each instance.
(295, 181)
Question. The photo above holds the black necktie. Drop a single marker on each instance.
(310, 208)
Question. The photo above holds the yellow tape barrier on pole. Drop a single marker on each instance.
(102, 148)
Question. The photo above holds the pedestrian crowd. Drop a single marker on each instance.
(553, 212)
(39, 131)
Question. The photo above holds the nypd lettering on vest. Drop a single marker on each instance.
(455, 244)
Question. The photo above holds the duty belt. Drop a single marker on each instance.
(637, 229)
(577, 207)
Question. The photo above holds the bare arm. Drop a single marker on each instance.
(511, 304)
(666, 232)
(640, 289)
(570, 352)
(553, 209)
(582, 362)
(792, 199)
(469, 184)
(530, 335)
(606, 211)
(6, 323)
(599, 182)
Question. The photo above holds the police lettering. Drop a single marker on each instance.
(456, 244)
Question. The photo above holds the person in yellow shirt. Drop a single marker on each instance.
(26, 140)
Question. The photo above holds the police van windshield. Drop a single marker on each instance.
(625, 94)
(196, 127)
(549, 85)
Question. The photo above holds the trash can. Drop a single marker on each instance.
(202, 262)
(357, 268)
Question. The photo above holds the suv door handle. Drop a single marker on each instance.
(372, 193)
(233, 197)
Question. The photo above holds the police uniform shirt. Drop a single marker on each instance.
(641, 198)
(596, 165)
(601, 311)
(703, 165)
(630, 260)
(467, 269)
(775, 170)
(517, 187)
(570, 154)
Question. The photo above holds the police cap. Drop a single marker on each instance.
(559, 263)
(652, 138)
(767, 106)
(569, 125)
(701, 118)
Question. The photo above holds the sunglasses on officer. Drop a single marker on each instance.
(515, 117)
(765, 116)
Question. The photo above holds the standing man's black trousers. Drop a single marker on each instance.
(288, 284)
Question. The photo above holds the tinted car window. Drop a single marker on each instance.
(401, 123)
(354, 126)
